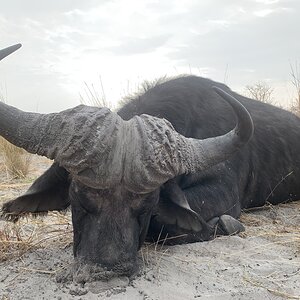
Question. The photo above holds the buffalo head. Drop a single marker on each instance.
(113, 170)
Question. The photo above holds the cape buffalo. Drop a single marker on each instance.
(167, 164)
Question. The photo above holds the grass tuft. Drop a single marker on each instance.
(30, 234)
(16, 161)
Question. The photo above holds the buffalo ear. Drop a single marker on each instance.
(186, 220)
(174, 209)
(48, 192)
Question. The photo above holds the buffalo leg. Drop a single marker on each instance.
(211, 196)
(48, 192)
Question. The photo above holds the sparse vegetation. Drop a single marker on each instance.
(32, 233)
(260, 91)
(94, 96)
(295, 74)
(16, 161)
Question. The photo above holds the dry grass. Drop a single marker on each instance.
(94, 95)
(16, 161)
(56, 230)
(275, 216)
(277, 224)
(32, 233)
(29, 233)
(278, 290)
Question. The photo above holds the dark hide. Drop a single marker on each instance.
(193, 207)
(267, 169)
(49, 192)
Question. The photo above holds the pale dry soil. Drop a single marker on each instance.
(261, 263)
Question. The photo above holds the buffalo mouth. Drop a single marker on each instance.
(82, 272)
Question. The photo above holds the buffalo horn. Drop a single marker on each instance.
(102, 150)
(5, 52)
(164, 153)
(210, 151)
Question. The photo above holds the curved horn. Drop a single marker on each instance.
(53, 135)
(5, 52)
(102, 150)
(165, 153)
(211, 151)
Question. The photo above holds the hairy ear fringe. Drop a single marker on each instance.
(13, 217)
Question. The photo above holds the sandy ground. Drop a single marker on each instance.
(262, 263)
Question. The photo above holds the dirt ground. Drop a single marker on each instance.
(261, 263)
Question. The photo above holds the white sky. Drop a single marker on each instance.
(69, 42)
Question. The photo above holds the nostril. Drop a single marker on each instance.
(81, 271)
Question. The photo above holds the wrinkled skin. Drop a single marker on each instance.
(107, 225)
(108, 231)
(129, 176)
(111, 225)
